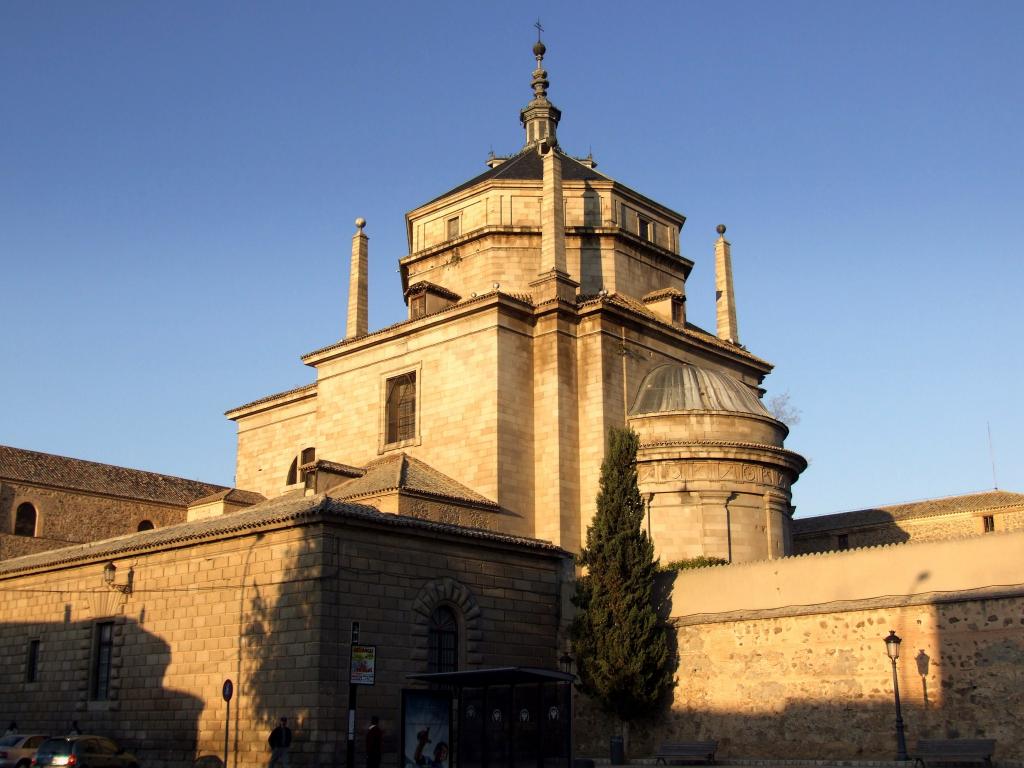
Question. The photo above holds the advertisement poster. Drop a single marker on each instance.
(363, 663)
(426, 729)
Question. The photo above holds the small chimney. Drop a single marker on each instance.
(725, 301)
(358, 310)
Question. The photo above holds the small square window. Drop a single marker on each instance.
(644, 228)
(454, 227)
(843, 541)
(989, 522)
(418, 306)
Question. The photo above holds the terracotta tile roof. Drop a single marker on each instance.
(971, 502)
(291, 509)
(25, 466)
(401, 472)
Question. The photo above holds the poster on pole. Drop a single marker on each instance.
(426, 728)
(364, 661)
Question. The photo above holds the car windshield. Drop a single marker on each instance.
(56, 747)
(9, 741)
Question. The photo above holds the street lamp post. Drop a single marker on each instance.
(565, 662)
(892, 647)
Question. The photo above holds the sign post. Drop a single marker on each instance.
(227, 691)
(361, 671)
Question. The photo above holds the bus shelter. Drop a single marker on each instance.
(505, 717)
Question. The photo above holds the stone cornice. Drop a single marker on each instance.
(615, 305)
(467, 306)
(760, 453)
(304, 392)
(284, 512)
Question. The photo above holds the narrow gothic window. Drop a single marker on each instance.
(25, 520)
(401, 408)
(103, 647)
(293, 472)
(989, 522)
(32, 663)
(443, 641)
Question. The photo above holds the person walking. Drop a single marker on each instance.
(280, 742)
(374, 743)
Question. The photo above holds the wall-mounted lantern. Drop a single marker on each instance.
(110, 579)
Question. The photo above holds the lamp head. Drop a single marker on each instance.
(892, 645)
(109, 572)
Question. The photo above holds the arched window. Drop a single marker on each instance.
(145, 525)
(443, 641)
(25, 520)
(295, 472)
(401, 408)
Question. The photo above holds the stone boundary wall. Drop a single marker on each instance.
(899, 571)
(785, 659)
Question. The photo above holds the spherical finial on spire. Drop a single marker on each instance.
(539, 49)
(360, 223)
(720, 229)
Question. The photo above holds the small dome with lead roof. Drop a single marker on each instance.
(685, 387)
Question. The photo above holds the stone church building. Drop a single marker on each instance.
(426, 492)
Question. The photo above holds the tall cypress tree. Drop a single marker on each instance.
(622, 648)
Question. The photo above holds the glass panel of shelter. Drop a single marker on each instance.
(519, 726)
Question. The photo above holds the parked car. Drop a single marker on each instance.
(17, 751)
(84, 751)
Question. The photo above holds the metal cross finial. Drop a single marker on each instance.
(539, 29)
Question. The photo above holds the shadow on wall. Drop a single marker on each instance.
(961, 671)
(281, 649)
(157, 723)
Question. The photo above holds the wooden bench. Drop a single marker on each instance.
(687, 750)
(954, 751)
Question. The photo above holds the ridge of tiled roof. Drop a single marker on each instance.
(528, 165)
(338, 467)
(425, 286)
(268, 398)
(401, 472)
(946, 505)
(282, 510)
(662, 293)
(234, 495)
(19, 464)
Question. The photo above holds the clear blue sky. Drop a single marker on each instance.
(178, 183)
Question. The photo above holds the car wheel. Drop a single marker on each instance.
(24, 764)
